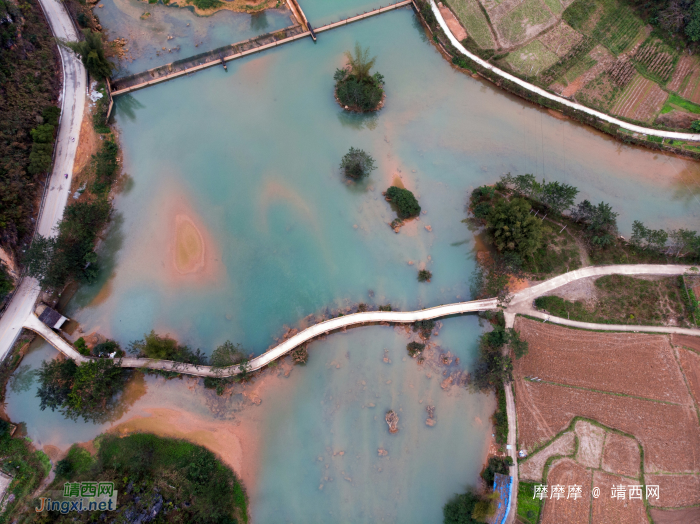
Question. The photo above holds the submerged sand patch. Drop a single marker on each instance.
(189, 248)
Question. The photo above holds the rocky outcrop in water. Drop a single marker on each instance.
(431, 416)
(393, 420)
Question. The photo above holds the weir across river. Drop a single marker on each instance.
(221, 55)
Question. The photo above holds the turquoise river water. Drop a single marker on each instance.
(248, 161)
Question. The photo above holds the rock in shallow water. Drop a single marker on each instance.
(393, 420)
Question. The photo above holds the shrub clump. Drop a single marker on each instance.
(424, 275)
(405, 202)
(355, 88)
(300, 355)
(424, 327)
(414, 348)
(357, 164)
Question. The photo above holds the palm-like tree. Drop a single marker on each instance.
(361, 63)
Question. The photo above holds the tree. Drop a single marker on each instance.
(558, 197)
(695, 126)
(360, 63)
(165, 348)
(404, 200)
(496, 465)
(424, 275)
(55, 382)
(644, 237)
(226, 355)
(513, 228)
(601, 222)
(357, 164)
(685, 241)
(459, 509)
(692, 29)
(43, 134)
(92, 54)
(519, 346)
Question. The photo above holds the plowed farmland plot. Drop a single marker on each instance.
(609, 510)
(691, 366)
(686, 78)
(628, 382)
(603, 362)
(566, 472)
(641, 100)
(531, 59)
(524, 22)
(675, 490)
(561, 39)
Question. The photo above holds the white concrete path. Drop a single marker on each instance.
(72, 104)
(551, 96)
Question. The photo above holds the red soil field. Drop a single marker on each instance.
(669, 434)
(566, 472)
(621, 455)
(675, 490)
(608, 510)
(691, 366)
(628, 363)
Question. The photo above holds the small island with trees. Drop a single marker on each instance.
(405, 203)
(355, 89)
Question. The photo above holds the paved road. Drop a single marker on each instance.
(553, 97)
(72, 104)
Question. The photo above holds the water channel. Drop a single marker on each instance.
(234, 222)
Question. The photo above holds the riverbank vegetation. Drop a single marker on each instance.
(163, 347)
(471, 507)
(355, 88)
(92, 54)
(91, 390)
(162, 479)
(26, 466)
(357, 164)
(29, 86)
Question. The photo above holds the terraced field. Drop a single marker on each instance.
(472, 18)
(597, 52)
(641, 100)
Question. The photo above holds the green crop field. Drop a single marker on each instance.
(513, 26)
(676, 102)
(472, 18)
(617, 27)
(554, 6)
(531, 59)
(580, 67)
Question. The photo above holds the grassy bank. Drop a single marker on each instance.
(626, 300)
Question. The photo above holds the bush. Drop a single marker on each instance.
(106, 349)
(387, 307)
(92, 54)
(424, 275)
(404, 200)
(357, 164)
(500, 418)
(6, 284)
(425, 327)
(496, 465)
(81, 346)
(414, 348)
(695, 126)
(300, 355)
(165, 348)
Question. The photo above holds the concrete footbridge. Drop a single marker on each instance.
(323, 328)
(521, 303)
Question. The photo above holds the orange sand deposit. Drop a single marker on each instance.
(189, 246)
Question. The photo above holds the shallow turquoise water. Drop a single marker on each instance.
(253, 153)
(322, 12)
(335, 403)
(191, 34)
